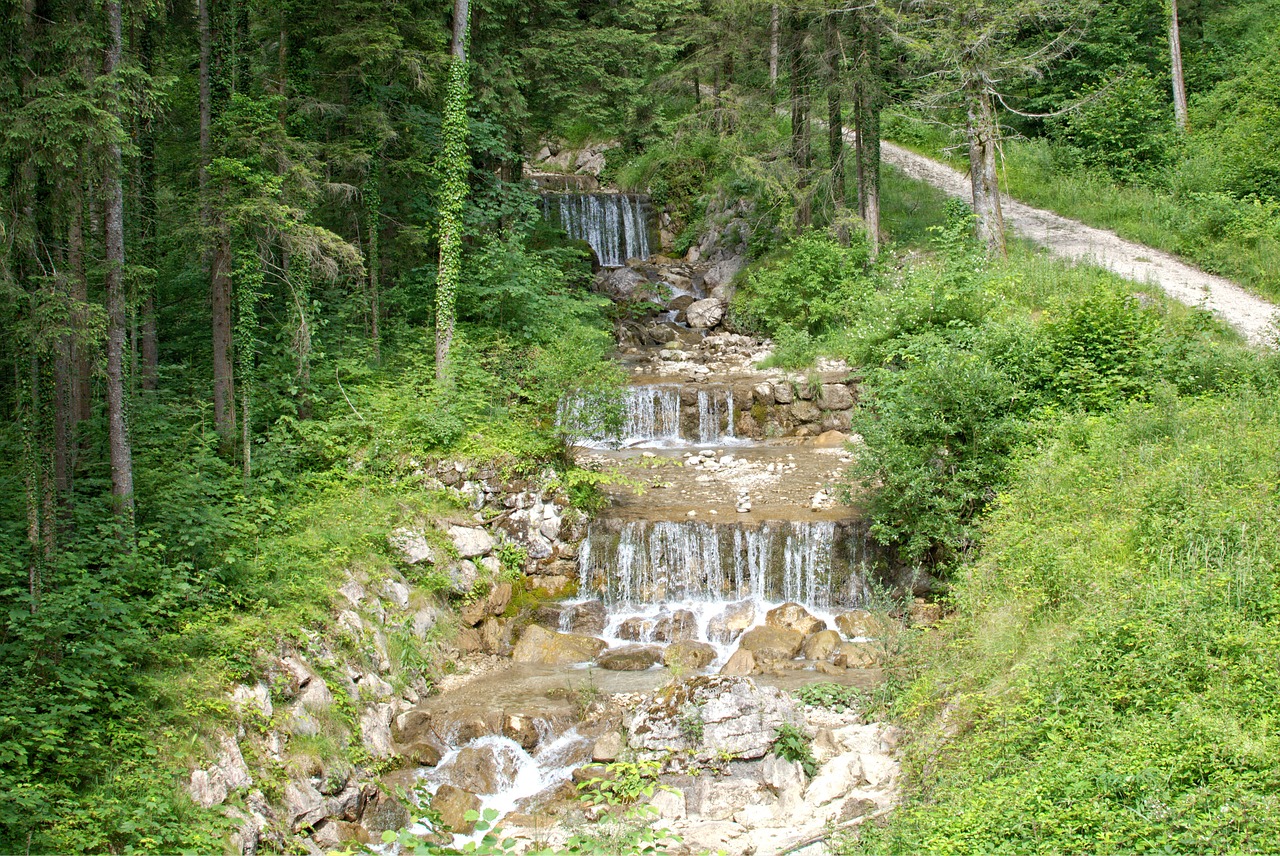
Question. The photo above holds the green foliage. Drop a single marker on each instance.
(623, 783)
(793, 743)
(1125, 130)
(1111, 678)
(831, 696)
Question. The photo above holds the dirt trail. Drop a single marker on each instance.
(1070, 239)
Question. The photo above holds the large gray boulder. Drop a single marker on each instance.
(471, 542)
(707, 715)
(540, 645)
(705, 313)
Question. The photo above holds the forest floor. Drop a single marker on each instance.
(1252, 316)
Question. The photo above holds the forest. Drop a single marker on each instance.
(268, 271)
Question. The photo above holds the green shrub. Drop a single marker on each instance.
(793, 743)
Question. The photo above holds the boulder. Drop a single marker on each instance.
(421, 754)
(856, 655)
(681, 302)
(716, 799)
(740, 664)
(822, 645)
(688, 654)
(723, 837)
(547, 647)
(793, 616)
(622, 283)
(629, 658)
(771, 643)
(669, 804)
(412, 546)
(495, 636)
(732, 621)
(492, 604)
(463, 576)
(924, 614)
(836, 421)
(836, 778)
(836, 396)
(710, 714)
(587, 618)
(636, 629)
(830, 440)
(703, 314)
(383, 813)
(453, 804)
(303, 805)
(470, 542)
(723, 272)
(783, 393)
(806, 411)
(608, 747)
(859, 623)
(485, 768)
(676, 626)
(375, 731)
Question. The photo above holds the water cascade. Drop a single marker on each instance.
(654, 415)
(818, 563)
(616, 225)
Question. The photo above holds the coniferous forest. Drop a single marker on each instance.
(358, 354)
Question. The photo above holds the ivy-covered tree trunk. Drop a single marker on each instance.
(835, 113)
(868, 140)
(454, 166)
(1175, 68)
(801, 151)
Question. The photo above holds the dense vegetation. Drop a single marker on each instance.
(219, 255)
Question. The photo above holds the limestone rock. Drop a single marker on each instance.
(706, 313)
(783, 393)
(716, 836)
(794, 617)
(492, 604)
(856, 655)
(539, 645)
(463, 576)
(669, 804)
(485, 768)
(688, 654)
(679, 625)
(622, 283)
(836, 778)
(383, 812)
(772, 643)
(471, 542)
(732, 715)
(924, 614)
(303, 805)
(822, 645)
(375, 731)
(723, 272)
(587, 618)
(629, 658)
(732, 621)
(721, 799)
(254, 699)
(453, 805)
(608, 747)
(412, 546)
(859, 623)
(830, 439)
(740, 664)
(836, 396)
(206, 789)
(806, 411)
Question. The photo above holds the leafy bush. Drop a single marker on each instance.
(792, 743)
(832, 696)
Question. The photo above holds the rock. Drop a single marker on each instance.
(836, 396)
(303, 805)
(471, 542)
(740, 664)
(681, 303)
(207, 789)
(722, 837)
(830, 440)
(706, 313)
(783, 776)
(708, 715)
(463, 577)
(412, 546)
(423, 621)
(806, 411)
(669, 804)
(636, 629)
(382, 813)
(722, 799)
(679, 625)
(856, 655)
(334, 834)
(793, 616)
(855, 807)
(763, 393)
(484, 769)
(539, 645)
(422, 754)
(835, 421)
(254, 699)
(375, 731)
(859, 623)
(783, 393)
(732, 621)
(822, 645)
(836, 778)
(494, 603)
(453, 805)
(495, 636)
(622, 283)
(723, 272)
(925, 614)
(688, 654)
(587, 618)
(608, 747)
(772, 643)
(629, 658)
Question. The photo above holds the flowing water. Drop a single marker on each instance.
(616, 225)
(653, 416)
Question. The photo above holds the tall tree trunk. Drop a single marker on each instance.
(113, 189)
(1175, 65)
(869, 130)
(774, 29)
(455, 166)
(82, 391)
(146, 213)
(982, 133)
(835, 115)
(801, 153)
(373, 204)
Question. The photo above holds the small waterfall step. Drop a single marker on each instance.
(656, 416)
(615, 225)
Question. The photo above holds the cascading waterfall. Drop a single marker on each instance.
(816, 563)
(616, 225)
(651, 415)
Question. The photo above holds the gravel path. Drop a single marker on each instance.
(1070, 239)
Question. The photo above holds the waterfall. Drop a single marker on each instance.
(614, 224)
(818, 563)
(650, 415)
(714, 411)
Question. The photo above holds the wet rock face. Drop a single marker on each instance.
(453, 805)
(860, 623)
(732, 622)
(772, 643)
(706, 313)
(688, 655)
(539, 645)
(630, 658)
(793, 616)
(708, 715)
(484, 769)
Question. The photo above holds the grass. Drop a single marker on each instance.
(1221, 235)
